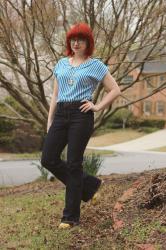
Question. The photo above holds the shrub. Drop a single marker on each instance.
(92, 163)
(43, 171)
(153, 123)
(18, 136)
(148, 129)
(16, 105)
(119, 120)
(6, 126)
(137, 123)
(22, 139)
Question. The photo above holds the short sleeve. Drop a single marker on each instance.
(58, 67)
(55, 69)
(101, 70)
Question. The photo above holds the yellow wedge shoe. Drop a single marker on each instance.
(97, 196)
(64, 225)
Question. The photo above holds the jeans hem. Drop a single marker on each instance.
(93, 193)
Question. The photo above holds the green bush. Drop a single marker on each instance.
(92, 163)
(124, 118)
(147, 129)
(16, 105)
(119, 120)
(137, 123)
(43, 171)
(6, 126)
(21, 139)
(5, 139)
(153, 123)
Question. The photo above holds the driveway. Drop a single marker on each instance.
(147, 142)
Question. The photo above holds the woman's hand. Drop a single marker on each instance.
(113, 91)
(88, 105)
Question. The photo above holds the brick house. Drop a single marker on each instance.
(154, 107)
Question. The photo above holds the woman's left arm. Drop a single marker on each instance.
(113, 91)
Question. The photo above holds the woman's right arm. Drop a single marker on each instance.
(52, 105)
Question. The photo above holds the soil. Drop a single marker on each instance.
(148, 206)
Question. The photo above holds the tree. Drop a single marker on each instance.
(32, 36)
(122, 116)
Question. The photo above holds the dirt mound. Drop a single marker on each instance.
(144, 214)
(154, 193)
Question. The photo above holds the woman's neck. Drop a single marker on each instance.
(76, 60)
(76, 57)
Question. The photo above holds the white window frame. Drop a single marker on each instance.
(127, 79)
(144, 107)
(157, 107)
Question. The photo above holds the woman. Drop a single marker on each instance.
(71, 118)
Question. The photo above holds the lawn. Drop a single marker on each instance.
(162, 149)
(29, 218)
(115, 136)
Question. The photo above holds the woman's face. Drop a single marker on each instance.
(78, 45)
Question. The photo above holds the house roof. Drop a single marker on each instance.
(154, 67)
(155, 63)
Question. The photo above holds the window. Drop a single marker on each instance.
(123, 102)
(150, 83)
(162, 79)
(127, 80)
(131, 107)
(147, 107)
(160, 108)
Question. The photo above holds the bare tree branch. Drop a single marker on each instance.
(128, 34)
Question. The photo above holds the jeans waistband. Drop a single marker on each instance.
(72, 104)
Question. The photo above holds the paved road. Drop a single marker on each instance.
(128, 162)
(19, 172)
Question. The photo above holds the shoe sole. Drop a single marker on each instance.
(64, 226)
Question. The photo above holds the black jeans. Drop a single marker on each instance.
(73, 128)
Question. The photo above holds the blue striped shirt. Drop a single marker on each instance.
(77, 83)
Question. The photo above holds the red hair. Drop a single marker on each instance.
(80, 30)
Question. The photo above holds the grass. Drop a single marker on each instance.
(140, 231)
(115, 136)
(162, 149)
(17, 156)
(30, 222)
(99, 152)
(36, 155)
(104, 130)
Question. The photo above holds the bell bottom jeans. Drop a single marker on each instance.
(73, 128)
